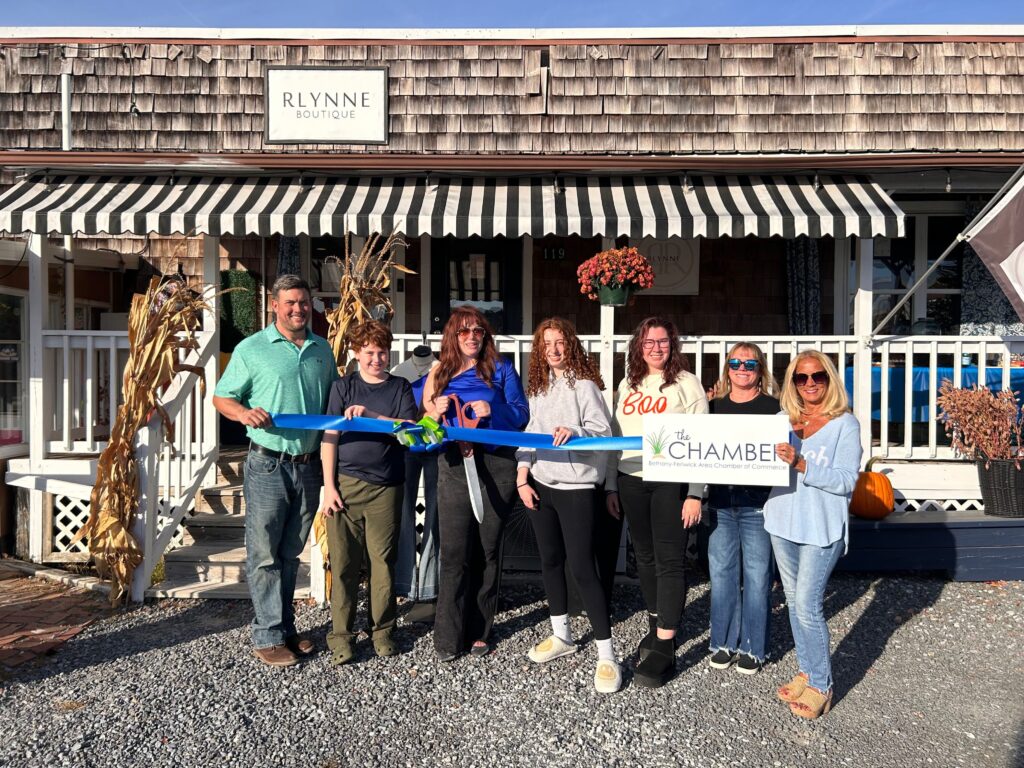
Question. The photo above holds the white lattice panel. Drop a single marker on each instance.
(69, 515)
(947, 505)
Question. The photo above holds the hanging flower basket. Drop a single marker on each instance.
(614, 297)
(612, 276)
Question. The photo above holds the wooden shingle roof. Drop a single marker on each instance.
(602, 99)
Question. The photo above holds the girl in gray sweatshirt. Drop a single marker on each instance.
(564, 390)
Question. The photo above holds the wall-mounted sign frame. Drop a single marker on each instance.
(325, 105)
(676, 263)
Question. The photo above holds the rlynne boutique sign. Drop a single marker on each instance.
(326, 105)
(729, 449)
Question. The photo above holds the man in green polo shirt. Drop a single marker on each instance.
(285, 368)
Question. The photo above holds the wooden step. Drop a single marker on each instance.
(230, 462)
(209, 527)
(215, 561)
(967, 545)
(184, 589)
(221, 499)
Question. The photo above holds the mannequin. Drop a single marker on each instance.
(417, 580)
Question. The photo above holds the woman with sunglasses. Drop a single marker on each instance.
(564, 387)
(471, 372)
(739, 548)
(659, 514)
(807, 519)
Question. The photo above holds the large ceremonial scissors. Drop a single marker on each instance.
(464, 420)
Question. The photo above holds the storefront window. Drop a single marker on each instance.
(12, 369)
(934, 309)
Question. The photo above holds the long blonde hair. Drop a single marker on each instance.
(835, 403)
(766, 383)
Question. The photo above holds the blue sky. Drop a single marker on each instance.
(520, 13)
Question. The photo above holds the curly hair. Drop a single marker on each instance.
(369, 332)
(450, 358)
(578, 364)
(636, 368)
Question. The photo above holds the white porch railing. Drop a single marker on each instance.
(905, 373)
(172, 472)
(83, 374)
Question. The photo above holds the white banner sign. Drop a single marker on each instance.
(730, 449)
(326, 105)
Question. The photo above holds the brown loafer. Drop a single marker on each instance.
(276, 656)
(300, 646)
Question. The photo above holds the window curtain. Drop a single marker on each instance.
(288, 256)
(803, 273)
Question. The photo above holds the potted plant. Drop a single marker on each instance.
(611, 276)
(985, 427)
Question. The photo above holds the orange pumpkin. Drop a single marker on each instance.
(872, 496)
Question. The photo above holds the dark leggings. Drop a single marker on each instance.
(563, 524)
(470, 568)
(654, 514)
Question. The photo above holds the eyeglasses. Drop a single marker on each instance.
(747, 365)
(818, 377)
(476, 330)
(652, 343)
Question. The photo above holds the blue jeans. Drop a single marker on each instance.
(281, 499)
(418, 581)
(805, 569)
(740, 560)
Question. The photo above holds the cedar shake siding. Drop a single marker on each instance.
(602, 99)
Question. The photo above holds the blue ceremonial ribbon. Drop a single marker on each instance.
(500, 437)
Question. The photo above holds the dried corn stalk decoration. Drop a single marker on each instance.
(363, 288)
(161, 328)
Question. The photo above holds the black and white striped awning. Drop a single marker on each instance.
(637, 206)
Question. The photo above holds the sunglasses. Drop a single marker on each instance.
(747, 365)
(476, 330)
(818, 377)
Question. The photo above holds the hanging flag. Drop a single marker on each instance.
(997, 236)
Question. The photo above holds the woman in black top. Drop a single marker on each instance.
(739, 544)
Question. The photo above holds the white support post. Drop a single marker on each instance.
(69, 264)
(608, 352)
(211, 329)
(608, 341)
(862, 326)
(38, 426)
(144, 527)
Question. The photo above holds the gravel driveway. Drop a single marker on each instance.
(928, 673)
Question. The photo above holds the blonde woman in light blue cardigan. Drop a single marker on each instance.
(807, 519)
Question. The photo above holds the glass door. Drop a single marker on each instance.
(483, 273)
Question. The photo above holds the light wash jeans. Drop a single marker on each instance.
(740, 560)
(412, 580)
(281, 499)
(805, 569)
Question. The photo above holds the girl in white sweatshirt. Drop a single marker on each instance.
(564, 390)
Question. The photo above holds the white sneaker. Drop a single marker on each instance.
(607, 677)
(548, 650)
